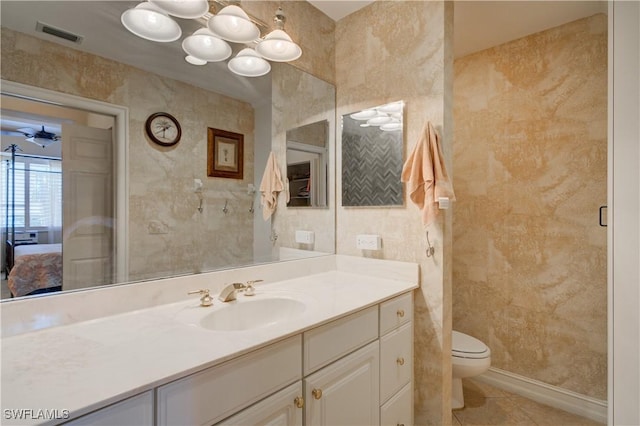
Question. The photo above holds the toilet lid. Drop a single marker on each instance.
(465, 346)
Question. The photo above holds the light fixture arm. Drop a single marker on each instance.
(279, 19)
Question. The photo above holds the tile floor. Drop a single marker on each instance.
(487, 405)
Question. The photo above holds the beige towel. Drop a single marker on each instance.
(270, 186)
(426, 175)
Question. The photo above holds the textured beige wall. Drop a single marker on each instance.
(160, 178)
(311, 29)
(380, 59)
(530, 160)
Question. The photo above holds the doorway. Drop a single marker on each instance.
(89, 152)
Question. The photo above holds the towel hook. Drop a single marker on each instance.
(251, 209)
(430, 249)
(225, 210)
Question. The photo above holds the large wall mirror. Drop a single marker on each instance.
(166, 216)
(372, 156)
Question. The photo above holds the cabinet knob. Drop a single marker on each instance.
(299, 401)
(317, 393)
(400, 360)
(400, 313)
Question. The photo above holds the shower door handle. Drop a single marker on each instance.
(600, 216)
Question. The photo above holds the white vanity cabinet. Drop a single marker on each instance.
(137, 410)
(342, 386)
(355, 370)
(396, 361)
(284, 408)
(345, 392)
(210, 396)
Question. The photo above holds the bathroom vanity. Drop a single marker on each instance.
(332, 347)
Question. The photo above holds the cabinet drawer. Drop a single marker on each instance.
(331, 341)
(396, 360)
(137, 410)
(398, 411)
(213, 394)
(395, 312)
(278, 409)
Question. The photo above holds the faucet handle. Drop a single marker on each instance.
(206, 299)
(250, 290)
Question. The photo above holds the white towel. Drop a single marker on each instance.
(426, 175)
(270, 186)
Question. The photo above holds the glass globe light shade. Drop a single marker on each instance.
(204, 45)
(233, 24)
(195, 61)
(277, 46)
(151, 23)
(188, 9)
(248, 63)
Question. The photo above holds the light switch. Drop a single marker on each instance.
(368, 242)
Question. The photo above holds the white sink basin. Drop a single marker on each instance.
(248, 313)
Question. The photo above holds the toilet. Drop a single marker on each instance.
(470, 357)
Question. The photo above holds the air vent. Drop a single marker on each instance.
(57, 32)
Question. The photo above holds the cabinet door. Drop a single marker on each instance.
(283, 408)
(345, 392)
(137, 410)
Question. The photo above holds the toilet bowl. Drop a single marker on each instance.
(470, 357)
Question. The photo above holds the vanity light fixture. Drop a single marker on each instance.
(151, 21)
(233, 24)
(249, 64)
(277, 45)
(204, 45)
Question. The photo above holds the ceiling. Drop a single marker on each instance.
(478, 25)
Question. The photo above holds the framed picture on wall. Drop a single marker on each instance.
(224, 154)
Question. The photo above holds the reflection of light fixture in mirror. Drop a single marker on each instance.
(204, 45)
(380, 120)
(233, 24)
(391, 127)
(364, 115)
(277, 45)
(187, 9)
(151, 23)
(150, 20)
(249, 64)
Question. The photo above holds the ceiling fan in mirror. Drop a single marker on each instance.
(152, 20)
(40, 137)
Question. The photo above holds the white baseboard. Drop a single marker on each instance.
(573, 402)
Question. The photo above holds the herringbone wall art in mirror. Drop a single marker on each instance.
(372, 157)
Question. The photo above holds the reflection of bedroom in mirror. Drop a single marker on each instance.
(372, 156)
(35, 225)
(307, 165)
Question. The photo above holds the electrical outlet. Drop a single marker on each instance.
(304, 237)
(368, 242)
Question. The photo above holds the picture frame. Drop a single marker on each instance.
(225, 154)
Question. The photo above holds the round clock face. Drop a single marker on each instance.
(163, 129)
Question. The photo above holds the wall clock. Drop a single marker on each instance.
(163, 129)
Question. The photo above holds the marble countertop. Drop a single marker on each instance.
(87, 365)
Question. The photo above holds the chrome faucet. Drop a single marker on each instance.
(229, 292)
